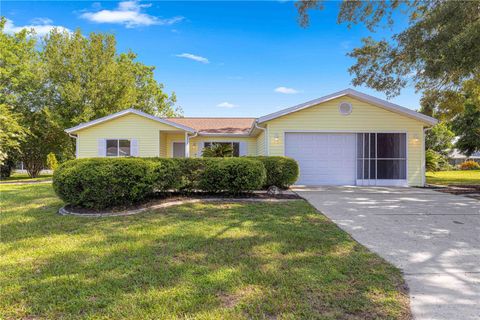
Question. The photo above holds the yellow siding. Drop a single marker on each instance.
(173, 137)
(364, 118)
(163, 144)
(261, 150)
(130, 126)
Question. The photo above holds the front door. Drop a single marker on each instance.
(179, 149)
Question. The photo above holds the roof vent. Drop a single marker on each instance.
(345, 108)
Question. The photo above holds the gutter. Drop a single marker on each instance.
(255, 124)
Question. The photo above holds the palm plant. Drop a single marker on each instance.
(218, 150)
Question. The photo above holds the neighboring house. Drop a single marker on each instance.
(345, 138)
(456, 157)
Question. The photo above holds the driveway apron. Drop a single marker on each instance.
(433, 237)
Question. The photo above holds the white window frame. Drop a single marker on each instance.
(118, 147)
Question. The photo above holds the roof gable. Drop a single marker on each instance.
(123, 113)
(357, 95)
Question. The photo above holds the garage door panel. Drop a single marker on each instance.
(323, 158)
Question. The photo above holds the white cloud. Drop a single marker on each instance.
(41, 27)
(129, 13)
(286, 90)
(193, 57)
(226, 104)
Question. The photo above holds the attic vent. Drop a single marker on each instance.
(345, 108)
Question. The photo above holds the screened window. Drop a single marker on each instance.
(235, 146)
(118, 148)
(381, 156)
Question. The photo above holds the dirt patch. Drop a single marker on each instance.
(472, 191)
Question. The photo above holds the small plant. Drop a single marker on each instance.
(469, 165)
(218, 150)
(52, 162)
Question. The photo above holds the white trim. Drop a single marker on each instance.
(125, 112)
(227, 135)
(378, 182)
(355, 94)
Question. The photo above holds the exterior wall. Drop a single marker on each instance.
(163, 144)
(195, 143)
(261, 147)
(130, 126)
(173, 137)
(364, 118)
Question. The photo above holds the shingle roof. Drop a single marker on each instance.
(217, 125)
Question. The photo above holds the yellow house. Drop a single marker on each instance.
(345, 138)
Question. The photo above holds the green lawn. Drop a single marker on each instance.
(457, 177)
(202, 261)
(23, 177)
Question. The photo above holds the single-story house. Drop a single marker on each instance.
(345, 138)
(456, 157)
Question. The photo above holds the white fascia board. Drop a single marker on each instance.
(124, 112)
(355, 94)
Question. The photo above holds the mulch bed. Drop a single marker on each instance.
(472, 191)
(177, 197)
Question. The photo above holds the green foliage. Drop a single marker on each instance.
(437, 52)
(6, 168)
(469, 165)
(439, 138)
(281, 171)
(218, 150)
(11, 133)
(232, 175)
(467, 128)
(52, 162)
(63, 80)
(100, 183)
(435, 161)
(431, 161)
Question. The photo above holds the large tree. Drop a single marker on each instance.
(437, 52)
(65, 79)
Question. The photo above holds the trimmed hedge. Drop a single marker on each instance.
(281, 171)
(232, 175)
(100, 183)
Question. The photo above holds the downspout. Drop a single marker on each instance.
(76, 143)
(187, 144)
(424, 156)
(266, 136)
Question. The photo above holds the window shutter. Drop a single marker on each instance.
(200, 147)
(243, 148)
(102, 147)
(134, 148)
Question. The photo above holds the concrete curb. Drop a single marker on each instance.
(64, 212)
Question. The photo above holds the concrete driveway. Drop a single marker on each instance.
(434, 238)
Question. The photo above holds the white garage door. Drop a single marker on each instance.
(324, 158)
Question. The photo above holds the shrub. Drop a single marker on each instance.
(469, 165)
(52, 162)
(100, 183)
(232, 175)
(281, 171)
(166, 174)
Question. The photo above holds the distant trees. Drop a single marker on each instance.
(64, 79)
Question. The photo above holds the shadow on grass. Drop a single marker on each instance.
(197, 260)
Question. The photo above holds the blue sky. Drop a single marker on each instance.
(221, 58)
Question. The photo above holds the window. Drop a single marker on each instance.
(118, 148)
(235, 146)
(381, 156)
